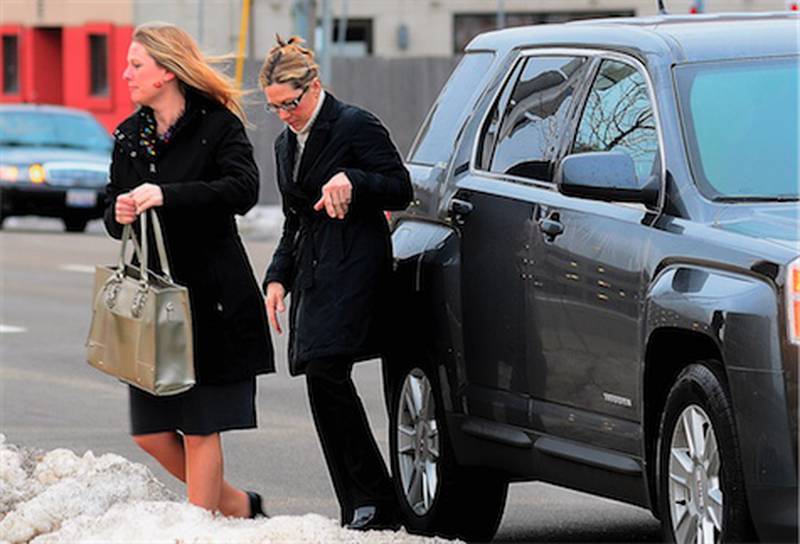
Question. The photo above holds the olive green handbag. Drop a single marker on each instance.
(141, 329)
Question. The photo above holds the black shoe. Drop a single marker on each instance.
(256, 507)
(370, 518)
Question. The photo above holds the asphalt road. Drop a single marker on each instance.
(50, 398)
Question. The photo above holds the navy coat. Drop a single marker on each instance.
(207, 174)
(337, 270)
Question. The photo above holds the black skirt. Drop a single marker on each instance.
(204, 409)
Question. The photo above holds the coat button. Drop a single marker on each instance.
(314, 263)
(219, 306)
(133, 153)
(203, 141)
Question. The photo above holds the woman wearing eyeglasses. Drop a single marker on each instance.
(337, 170)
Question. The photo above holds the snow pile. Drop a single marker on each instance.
(57, 497)
(40, 491)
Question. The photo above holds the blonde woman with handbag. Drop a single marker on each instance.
(184, 153)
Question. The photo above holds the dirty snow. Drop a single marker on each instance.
(58, 496)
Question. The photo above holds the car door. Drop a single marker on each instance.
(493, 206)
(588, 285)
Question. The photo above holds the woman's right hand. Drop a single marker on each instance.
(125, 209)
(274, 302)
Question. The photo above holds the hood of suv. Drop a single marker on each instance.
(776, 223)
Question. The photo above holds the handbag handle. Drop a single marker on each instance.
(142, 252)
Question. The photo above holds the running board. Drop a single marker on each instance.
(595, 457)
(497, 433)
(554, 447)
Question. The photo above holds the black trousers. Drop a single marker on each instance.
(355, 464)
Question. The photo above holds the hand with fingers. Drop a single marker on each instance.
(336, 196)
(125, 209)
(146, 196)
(274, 303)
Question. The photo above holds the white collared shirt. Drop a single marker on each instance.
(302, 134)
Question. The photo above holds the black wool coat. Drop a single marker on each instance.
(207, 174)
(338, 270)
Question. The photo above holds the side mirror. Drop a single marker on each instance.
(605, 175)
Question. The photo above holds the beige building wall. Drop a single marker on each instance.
(430, 22)
(215, 23)
(65, 12)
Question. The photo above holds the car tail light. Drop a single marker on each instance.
(9, 173)
(388, 217)
(793, 301)
(37, 174)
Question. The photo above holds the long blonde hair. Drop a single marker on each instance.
(288, 62)
(174, 49)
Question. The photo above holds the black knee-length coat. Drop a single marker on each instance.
(207, 174)
(338, 270)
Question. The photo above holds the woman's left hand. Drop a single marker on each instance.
(146, 196)
(336, 196)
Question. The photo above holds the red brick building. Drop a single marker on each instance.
(67, 52)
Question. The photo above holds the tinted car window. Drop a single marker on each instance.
(522, 135)
(741, 126)
(618, 116)
(437, 136)
(49, 129)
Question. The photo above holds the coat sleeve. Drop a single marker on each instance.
(381, 179)
(236, 190)
(282, 267)
(113, 189)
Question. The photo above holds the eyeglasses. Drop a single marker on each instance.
(287, 106)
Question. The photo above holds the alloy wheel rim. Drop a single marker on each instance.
(695, 486)
(418, 442)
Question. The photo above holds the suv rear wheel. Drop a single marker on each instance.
(701, 487)
(436, 495)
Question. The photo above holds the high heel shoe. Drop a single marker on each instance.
(256, 505)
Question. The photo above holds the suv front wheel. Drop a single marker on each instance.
(701, 486)
(436, 495)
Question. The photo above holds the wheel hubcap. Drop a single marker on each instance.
(695, 491)
(417, 442)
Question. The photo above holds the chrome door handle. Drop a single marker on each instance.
(551, 226)
(459, 209)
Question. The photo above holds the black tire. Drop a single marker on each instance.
(700, 399)
(466, 502)
(75, 224)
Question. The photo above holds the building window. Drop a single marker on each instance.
(357, 38)
(98, 64)
(467, 26)
(10, 64)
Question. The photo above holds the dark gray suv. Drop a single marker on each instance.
(598, 280)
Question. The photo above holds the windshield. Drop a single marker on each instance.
(741, 127)
(39, 129)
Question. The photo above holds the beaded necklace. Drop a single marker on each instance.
(149, 140)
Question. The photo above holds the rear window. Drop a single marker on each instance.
(436, 138)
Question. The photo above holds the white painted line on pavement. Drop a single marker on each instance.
(82, 268)
(7, 329)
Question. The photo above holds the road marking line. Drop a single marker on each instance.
(85, 269)
(7, 329)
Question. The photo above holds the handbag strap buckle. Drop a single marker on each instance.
(139, 299)
(111, 291)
